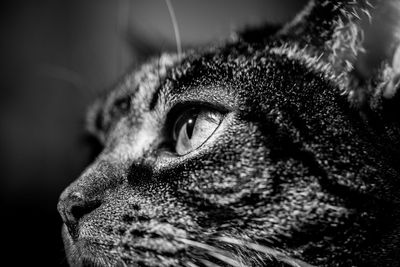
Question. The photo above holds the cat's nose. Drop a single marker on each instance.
(72, 206)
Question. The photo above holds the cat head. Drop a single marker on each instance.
(277, 147)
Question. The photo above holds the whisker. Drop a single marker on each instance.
(191, 264)
(266, 251)
(176, 29)
(209, 263)
(215, 252)
(226, 259)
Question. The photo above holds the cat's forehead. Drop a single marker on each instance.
(165, 78)
(207, 65)
(141, 85)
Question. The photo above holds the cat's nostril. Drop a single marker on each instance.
(73, 206)
(81, 208)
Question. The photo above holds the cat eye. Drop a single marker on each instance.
(193, 128)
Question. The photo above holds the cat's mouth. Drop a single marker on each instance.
(144, 245)
(85, 251)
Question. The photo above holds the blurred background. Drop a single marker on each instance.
(56, 57)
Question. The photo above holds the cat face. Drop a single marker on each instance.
(248, 153)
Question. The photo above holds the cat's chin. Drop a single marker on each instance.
(83, 252)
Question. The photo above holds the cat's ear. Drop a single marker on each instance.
(358, 40)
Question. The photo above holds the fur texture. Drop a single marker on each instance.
(302, 171)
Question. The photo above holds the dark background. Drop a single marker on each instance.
(56, 56)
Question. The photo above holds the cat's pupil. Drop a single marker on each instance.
(190, 126)
(185, 122)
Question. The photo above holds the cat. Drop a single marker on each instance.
(277, 148)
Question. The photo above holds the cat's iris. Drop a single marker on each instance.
(193, 128)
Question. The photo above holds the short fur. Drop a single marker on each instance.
(302, 171)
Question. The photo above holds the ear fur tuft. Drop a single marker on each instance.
(358, 41)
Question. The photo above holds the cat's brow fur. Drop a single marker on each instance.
(302, 171)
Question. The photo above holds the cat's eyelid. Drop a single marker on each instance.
(220, 97)
(94, 120)
(182, 106)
